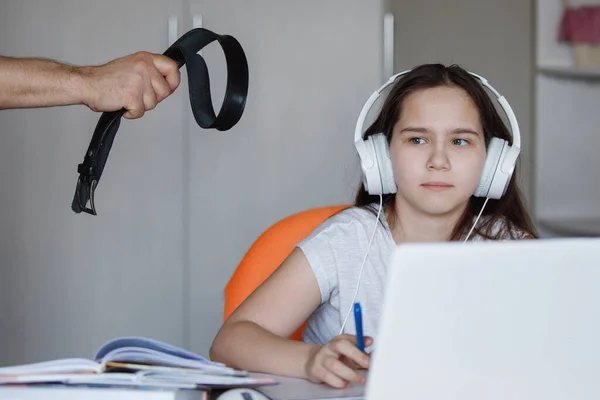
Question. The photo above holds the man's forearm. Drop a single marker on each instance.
(32, 82)
(136, 83)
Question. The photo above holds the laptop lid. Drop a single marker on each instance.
(490, 320)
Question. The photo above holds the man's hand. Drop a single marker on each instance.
(137, 82)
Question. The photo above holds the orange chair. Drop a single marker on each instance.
(269, 251)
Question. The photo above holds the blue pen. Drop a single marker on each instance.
(360, 340)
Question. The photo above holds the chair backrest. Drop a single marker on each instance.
(269, 251)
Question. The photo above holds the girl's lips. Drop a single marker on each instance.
(437, 186)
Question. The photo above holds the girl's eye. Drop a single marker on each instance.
(460, 142)
(417, 140)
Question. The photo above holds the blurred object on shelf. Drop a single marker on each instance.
(580, 27)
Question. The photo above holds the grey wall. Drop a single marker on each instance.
(70, 282)
(312, 66)
(178, 206)
(177, 213)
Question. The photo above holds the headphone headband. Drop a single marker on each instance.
(384, 90)
(507, 156)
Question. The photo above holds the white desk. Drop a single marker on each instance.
(75, 393)
(300, 389)
(287, 389)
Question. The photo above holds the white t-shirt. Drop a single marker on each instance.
(335, 252)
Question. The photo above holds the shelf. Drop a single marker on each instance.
(571, 72)
(579, 227)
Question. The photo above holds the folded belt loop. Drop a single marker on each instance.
(184, 52)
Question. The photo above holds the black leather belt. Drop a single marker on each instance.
(184, 52)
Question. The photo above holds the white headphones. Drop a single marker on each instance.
(376, 163)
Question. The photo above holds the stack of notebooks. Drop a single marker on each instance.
(133, 362)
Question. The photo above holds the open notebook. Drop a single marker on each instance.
(133, 361)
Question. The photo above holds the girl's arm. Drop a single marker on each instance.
(255, 336)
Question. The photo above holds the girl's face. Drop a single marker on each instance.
(437, 150)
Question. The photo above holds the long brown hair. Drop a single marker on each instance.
(509, 210)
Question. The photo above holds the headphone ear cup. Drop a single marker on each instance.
(384, 160)
(370, 169)
(492, 162)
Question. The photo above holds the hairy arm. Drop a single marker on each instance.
(136, 82)
(31, 82)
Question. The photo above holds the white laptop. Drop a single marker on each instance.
(490, 320)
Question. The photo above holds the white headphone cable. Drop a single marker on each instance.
(369, 246)
(363, 265)
(476, 219)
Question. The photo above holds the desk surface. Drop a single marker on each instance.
(85, 393)
(300, 389)
(287, 389)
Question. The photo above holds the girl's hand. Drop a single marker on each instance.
(337, 362)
